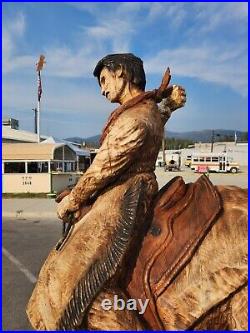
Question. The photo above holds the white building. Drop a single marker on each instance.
(38, 168)
(239, 152)
(11, 135)
(49, 166)
(83, 156)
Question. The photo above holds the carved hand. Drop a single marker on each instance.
(65, 207)
(177, 98)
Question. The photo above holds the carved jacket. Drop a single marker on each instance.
(129, 149)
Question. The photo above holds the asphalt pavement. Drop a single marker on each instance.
(26, 244)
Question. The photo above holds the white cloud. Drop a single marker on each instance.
(86, 7)
(115, 30)
(200, 55)
(112, 32)
(94, 41)
(209, 63)
(12, 31)
(16, 26)
(210, 17)
(170, 11)
(58, 96)
(64, 62)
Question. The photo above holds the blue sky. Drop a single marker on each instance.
(204, 44)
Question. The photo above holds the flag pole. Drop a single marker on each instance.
(38, 109)
(39, 67)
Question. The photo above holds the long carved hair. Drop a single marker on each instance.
(131, 65)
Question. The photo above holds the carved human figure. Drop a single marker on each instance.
(121, 184)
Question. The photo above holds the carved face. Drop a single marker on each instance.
(112, 84)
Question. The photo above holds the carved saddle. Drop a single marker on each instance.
(182, 216)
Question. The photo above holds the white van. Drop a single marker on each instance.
(214, 162)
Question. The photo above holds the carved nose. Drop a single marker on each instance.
(103, 91)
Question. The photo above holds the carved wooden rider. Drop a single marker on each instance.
(121, 184)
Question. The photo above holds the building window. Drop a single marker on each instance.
(37, 167)
(56, 166)
(14, 167)
(70, 166)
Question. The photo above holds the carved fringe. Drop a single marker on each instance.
(101, 271)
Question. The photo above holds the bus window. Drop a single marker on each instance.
(215, 159)
(195, 159)
(202, 159)
(208, 159)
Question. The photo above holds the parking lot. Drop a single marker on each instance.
(239, 179)
(26, 244)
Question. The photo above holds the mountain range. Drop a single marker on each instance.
(196, 136)
(206, 135)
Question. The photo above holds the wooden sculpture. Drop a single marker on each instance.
(129, 241)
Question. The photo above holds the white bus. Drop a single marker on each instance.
(213, 162)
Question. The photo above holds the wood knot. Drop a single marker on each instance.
(155, 230)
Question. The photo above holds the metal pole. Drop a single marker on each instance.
(63, 170)
(38, 121)
(163, 151)
(235, 138)
(38, 108)
(179, 157)
(35, 122)
(212, 142)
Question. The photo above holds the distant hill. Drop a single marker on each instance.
(205, 135)
(91, 141)
(78, 139)
(196, 136)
